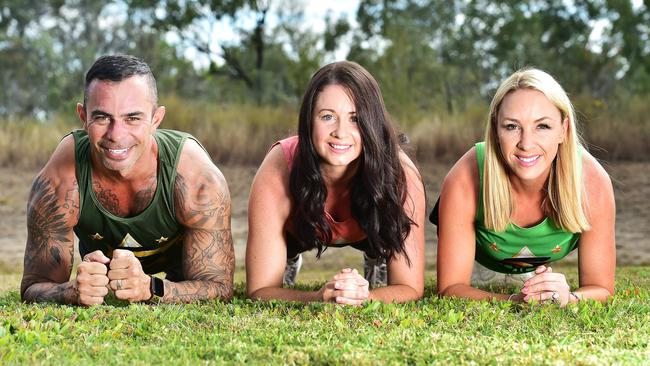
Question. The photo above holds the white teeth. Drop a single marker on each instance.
(117, 152)
(340, 147)
(528, 160)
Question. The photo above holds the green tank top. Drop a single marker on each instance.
(517, 249)
(154, 235)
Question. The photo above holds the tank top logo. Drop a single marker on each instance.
(129, 242)
(525, 258)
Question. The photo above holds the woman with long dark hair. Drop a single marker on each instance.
(342, 181)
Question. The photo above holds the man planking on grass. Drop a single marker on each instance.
(140, 200)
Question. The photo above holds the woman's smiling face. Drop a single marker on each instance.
(335, 132)
(530, 129)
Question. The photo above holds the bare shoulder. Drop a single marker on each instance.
(195, 165)
(409, 166)
(270, 190)
(60, 168)
(464, 174)
(55, 187)
(273, 174)
(460, 189)
(200, 189)
(598, 184)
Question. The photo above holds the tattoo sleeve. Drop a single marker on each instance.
(203, 207)
(50, 249)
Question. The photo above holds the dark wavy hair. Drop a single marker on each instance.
(378, 190)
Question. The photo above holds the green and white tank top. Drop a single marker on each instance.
(518, 249)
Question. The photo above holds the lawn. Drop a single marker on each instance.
(446, 331)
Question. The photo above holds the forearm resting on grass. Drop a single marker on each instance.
(62, 293)
(597, 293)
(209, 265)
(216, 286)
(286, 294)
(346, 287)
(469, 292)
(395, 293)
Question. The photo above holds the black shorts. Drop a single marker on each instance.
(294, 248)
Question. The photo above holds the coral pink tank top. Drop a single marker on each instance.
(343, 232)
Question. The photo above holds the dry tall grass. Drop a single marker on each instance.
(621, 133)
(241, 134)
(28, 143)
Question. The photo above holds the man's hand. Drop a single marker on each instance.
(127, 279)
(90, 283)
(346, 287)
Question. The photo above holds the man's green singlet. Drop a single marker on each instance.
(154, 235)
(517, 249)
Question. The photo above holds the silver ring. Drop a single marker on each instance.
(555, 297)
(118, 284)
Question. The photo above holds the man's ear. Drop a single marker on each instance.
(158, 116)
(81, 112)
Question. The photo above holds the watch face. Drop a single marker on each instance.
(157, 287)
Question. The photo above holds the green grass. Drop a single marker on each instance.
(449, 331)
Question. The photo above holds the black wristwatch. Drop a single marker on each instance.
(157, 289)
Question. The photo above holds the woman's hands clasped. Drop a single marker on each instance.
(546, 286)
(346, 287)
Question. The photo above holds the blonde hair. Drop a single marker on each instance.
(565, 188)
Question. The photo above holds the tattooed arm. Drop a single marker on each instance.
(50, 250)
(52, 211)
(202, 204)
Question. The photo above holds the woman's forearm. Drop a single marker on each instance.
(469, 292)
(591, 292)
(395, 293)
(286, 294)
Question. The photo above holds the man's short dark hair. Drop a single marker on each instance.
(117, 68)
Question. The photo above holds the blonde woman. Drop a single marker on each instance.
(527, 196)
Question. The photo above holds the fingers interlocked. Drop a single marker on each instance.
(546, 286)
(347, 287)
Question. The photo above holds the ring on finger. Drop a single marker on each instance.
(555, 296)
(118, 284)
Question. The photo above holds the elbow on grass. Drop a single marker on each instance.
(418, 293)
(446, 291)
(255, 294)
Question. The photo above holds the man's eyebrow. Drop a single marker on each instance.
(98, 112)
(133, 114)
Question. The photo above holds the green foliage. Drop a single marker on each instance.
(437, 63)
(433, 330)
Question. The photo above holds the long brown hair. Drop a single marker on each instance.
(378, 189)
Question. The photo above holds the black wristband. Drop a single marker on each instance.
(157, 288)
